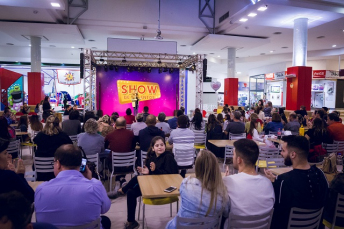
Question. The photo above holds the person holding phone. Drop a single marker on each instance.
(158, 162)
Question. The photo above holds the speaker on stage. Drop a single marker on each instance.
(82, 57)
(204, 69)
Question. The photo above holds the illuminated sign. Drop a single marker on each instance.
(270, 76)
(68, 77)
(145, 91)
(325, 74)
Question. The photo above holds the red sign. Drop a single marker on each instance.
(270, 76)
(319, 74)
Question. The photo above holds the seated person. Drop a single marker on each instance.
(214, 131)
(25, 109)
(173, 121)
(104, 125)
(72, 126)
(158, 161)
(303, 187)
(137, 126)
(274, 126)
(302, 111)
(147, 134)
(204, 195)
(162, 125)
(335, 127)
(71, 193)
(293, 125)
(67, 110)
(90, 141)
(242, 188)
(260, 123)
(235, 127)
(252, 132)
(129, 118)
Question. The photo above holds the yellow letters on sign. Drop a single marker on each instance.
(145, 90)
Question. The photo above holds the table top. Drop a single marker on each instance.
(14, 125)
(224, 143)
(21, 133)
(153, 186)
(34, 184)
(275, 140)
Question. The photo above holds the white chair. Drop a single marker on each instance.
(339, 210)
(120, 160)
(14, 147)
(95, 224)
(236, 136)
(228, 154)
(200, 140)
(184, 155)
(74, 139)
(128, 126)
(143, 157)
(299, 217)
(199, 223)
(94, 158)
(262, 221)
(43, 165)
(30, 176)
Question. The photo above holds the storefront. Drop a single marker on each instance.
(256, 89)
(243, 92)
(275, 89)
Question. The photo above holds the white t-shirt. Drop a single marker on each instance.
(249, 194)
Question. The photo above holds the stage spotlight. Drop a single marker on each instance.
(171, 70)
(116, 68)
(128, 69)
(139, 69)
(101, 59)
(160, 70)
(180, 62)
(165, 69)
(124, 60)
(111, 67)
(149, 70)
(159, 61)
(106, 67)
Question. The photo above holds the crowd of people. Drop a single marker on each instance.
(206, 194)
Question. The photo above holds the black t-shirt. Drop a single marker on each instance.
(316, 138)
(305, 189)
(164, 164)
(46, 106)
(301, 112)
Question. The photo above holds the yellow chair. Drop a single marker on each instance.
(156, 201)
(30, 145)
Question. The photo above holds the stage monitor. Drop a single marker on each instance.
(144, 46)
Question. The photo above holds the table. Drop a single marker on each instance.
(34, 184)
(21, 133)
(153, 186)
(224, 143)
(279, 141)
(13, 125)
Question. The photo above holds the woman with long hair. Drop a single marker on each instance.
(34, 125)
(214, 131)
(252, 132)
(105, 127)
(204, 195)
(48, 140)
(23, 124)
(158, 161)
(219, 118)
(46, 108)
(197, 123)
(129, 118)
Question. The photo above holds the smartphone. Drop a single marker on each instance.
(170, 189)
(83, 165)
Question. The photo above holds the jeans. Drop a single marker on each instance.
(133, 191)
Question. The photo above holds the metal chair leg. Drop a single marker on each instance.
(170, 209)
(177, 206)
(143, 217)
(138, 217)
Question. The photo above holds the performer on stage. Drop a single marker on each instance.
(135, 102)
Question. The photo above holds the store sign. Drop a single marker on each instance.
(144, 90)
(68, 77)
(243, 86)
(280, 75)
(270, 76)
(321, 74)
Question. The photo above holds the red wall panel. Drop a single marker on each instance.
(35, 87)
(231, 91)
(299, 88)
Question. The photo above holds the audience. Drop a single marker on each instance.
(158, 162)
(214, 131)
(293, 125)
(303, 187)
(90, 141)
(23, 123)
(204, 195)
(268, 109)
(10, 118)
(302, 111)
(72, 126)
(248, 124)
(235, 127)
(53, 200)
(40, 110)
(147, 134)
(249, 193)
(87, 116)
(252, 132)
(145, 113)
(227, 121)
(47, 141)
(25, 109)
(67, 110)
(335, 127)
(104, 125)
(12, 179)
(197, 123)
(34, 125)
(162, 125)
(129, 118)
(139, 125)
(220, 119)
(114, 117)
(318, 134)
(322, 115)
(259, 111)
(173, 121)
(274, 126)
(46, 108)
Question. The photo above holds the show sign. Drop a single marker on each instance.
(68, 77)
(145, 91)
(322, 74)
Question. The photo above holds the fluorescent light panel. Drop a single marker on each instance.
(243, 19)
(55, 4)
(262, 8)
(252, 15)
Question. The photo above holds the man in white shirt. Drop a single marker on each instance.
(249, 193)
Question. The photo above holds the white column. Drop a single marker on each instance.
(300, 42)
(35, 54)
(231, 62)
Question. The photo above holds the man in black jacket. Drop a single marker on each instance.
(147, 134)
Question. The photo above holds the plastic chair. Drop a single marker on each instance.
(228, 154)
(95, 224)
(275, 162)
(74, 138)
(128, 126)
(299, 217)
(199, 223)
(143, 157)
(120, 160)
(237, 136)
(184, 155)
(262, 221)
(339, 210)
(94, 158)
(200, 139)
(14, 147)
(30, 176)
(43, 165)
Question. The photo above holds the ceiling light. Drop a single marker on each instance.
(243, 19)
(55, 4)
(263, 8)
(160, 70)
(159, 61)
(194, 53)
(333, 46)
(91, 40)
(252, 15)
(124, 60)
(9, 44)
(165, 69)
(171, 70)
(218, 56)
(238, 72)
(72, 47)
(30, 45)
(272, 51)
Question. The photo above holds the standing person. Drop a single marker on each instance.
(158, 162)
(129, 118)
(145, 113)
(65, 101)
(40, 110)
(72, 126)
(204, 195)
(162, 125)
(135, 101)
(68, 109)
(293, 125)
(242, 188)
(46, 108)
(303, 187)
(71, 193)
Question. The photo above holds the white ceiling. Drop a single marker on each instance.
(179, 22)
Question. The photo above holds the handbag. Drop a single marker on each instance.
(91, 165)
(330, 164)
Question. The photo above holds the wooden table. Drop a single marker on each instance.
(224, 143)
(279, 141)
(14, 125)
(168, 147)
(34, 184)
(153, 186)
(21, 133)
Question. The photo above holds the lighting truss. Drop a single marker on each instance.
(199, 82)
(89, 82)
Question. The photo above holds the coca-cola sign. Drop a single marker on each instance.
(269, 76)
(319, 74)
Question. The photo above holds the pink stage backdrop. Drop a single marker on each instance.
(110, 99)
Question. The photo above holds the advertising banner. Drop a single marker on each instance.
(269, 76)
(68, 77)
(322, 74)
(243, 86)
